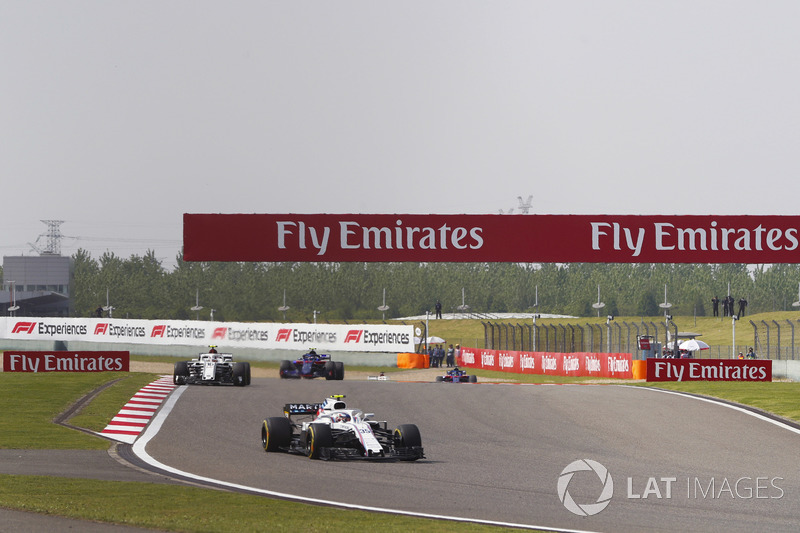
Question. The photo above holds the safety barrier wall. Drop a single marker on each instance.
(605, 365)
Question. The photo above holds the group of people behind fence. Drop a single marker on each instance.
(728, 306)
(750, 355)
(439, 357)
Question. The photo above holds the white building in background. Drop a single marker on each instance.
(38, 284)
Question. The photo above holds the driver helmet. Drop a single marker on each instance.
(341, 417)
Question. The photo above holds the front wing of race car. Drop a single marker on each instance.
(345, 444)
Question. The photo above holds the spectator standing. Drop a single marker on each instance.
(715, 305)
(431, 356)
(440, 355)
(742, 305)
(458, 355)
(751, 354)
(451, 356)
(438, 309)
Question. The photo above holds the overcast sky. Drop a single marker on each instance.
(118, 117)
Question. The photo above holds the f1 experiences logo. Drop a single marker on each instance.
(587, 509)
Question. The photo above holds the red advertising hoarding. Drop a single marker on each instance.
(748, 239)
(606, 365)
(709, 370)
(27, 361)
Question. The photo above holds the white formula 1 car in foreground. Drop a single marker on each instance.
(332, 431)
(212, 369)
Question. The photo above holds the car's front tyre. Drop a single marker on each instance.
(407, 436)
(286, 369)
(318, 437)
(180, 373)
(330, 370)
(239, 374)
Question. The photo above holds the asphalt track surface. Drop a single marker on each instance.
(495, 453)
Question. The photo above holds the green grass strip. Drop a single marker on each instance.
(179, 508)
(779, 398)
(31, 401)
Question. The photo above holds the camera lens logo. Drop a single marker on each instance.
(588, 509)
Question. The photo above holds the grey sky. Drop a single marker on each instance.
(118, 117)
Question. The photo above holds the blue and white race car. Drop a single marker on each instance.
(329, 430)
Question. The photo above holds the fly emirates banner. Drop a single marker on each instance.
(323, 337)
(750, 239)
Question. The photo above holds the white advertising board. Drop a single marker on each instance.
(339, 337)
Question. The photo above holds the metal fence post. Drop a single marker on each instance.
(779, 338)
(619, 337)
(571, 338)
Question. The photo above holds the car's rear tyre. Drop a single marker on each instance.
(247, 373)
(407, 436)
(180, 372)
(318, 437)
(276, 433)
(473, 379)
(285, 368)
(439, 378)
(239, 374)
(339, 366)
(330, 370)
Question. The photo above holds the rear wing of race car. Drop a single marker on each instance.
(301, 408)
(315, 355)
(218, 357)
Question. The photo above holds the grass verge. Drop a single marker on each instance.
(779, 398)
(30, 402)
(178, 508)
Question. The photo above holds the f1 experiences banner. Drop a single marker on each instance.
(751, 239)
(605, 365)
(349, 338)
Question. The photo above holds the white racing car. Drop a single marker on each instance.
(332, 431)
(212, 369)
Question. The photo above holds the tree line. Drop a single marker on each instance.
(141, 287)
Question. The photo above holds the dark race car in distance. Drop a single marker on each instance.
(457, 375)
(312, 365)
